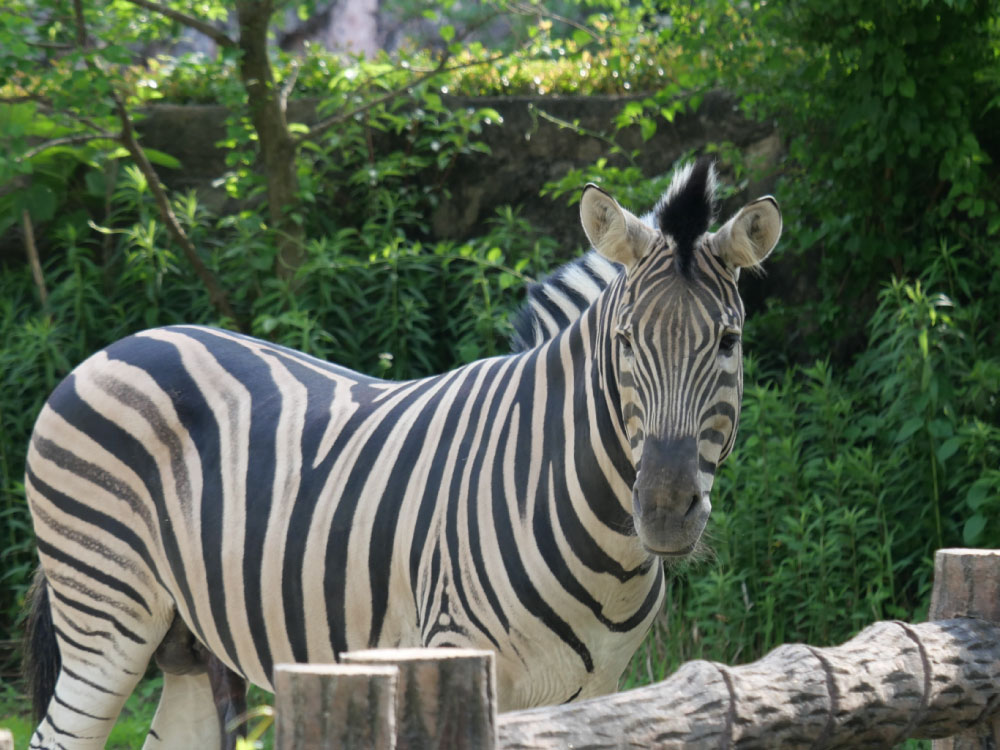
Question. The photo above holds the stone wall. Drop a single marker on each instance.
(526, 152)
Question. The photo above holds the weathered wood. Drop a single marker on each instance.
(446, 697)
(892, 681)
(967, 584)
(334, 707)
(6, 740)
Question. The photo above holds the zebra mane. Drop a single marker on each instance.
(685, 212)
(560, 298)
(687, 209)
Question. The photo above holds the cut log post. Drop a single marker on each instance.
(6, 740)
(446, 697)
(890, 682)
(334, 707)
(967, 584)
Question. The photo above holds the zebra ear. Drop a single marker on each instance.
(750, 236)
(614, 232)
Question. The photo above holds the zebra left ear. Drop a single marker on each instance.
(614, 232)
(750, 236)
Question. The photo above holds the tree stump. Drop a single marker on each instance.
(334, 707)
(446, 697)
(967, 584)
(6, 740)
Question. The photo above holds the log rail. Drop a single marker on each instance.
(892, 681)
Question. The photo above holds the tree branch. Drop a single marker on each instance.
(323, 125)
(32, 250)
(216, 35)
(540, 12)
(66, 140)
(128, 139)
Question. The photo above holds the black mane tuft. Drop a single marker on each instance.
(688, 208)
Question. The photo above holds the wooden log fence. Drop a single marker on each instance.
(893, 681)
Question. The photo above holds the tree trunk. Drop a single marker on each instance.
(354, 27)
(891, 682)
(277, 147)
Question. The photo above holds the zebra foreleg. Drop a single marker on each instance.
(181, 655)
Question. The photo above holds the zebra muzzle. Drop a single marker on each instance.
(670, 509)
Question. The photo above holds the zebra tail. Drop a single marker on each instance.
(41, 652)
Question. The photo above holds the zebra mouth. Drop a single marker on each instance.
(671, 553)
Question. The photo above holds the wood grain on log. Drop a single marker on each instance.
(334, 707)
(446, 696)
(892, 681)
(967, 584)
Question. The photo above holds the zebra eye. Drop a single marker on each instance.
(625, 339)
(728, 342)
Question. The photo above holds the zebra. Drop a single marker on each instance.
(279, 508)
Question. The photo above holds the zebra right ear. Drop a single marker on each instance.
(614, 232)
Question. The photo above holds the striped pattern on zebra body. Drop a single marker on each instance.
(287, 509)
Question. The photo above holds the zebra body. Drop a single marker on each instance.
(287, 509)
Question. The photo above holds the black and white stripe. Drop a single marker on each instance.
(288, 509)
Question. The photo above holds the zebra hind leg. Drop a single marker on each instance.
(80, 664)
(229, 691)
(185, 717)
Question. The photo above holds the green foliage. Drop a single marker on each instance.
(887, 107)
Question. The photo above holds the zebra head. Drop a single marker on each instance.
(675, 320)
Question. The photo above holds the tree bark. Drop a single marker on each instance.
(446, 696)
(354, 27)
(967, 584)
(277, 147)
(892, 681)
(334, 707)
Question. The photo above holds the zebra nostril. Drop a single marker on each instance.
(695, 499)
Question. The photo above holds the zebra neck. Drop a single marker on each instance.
(586, 444)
